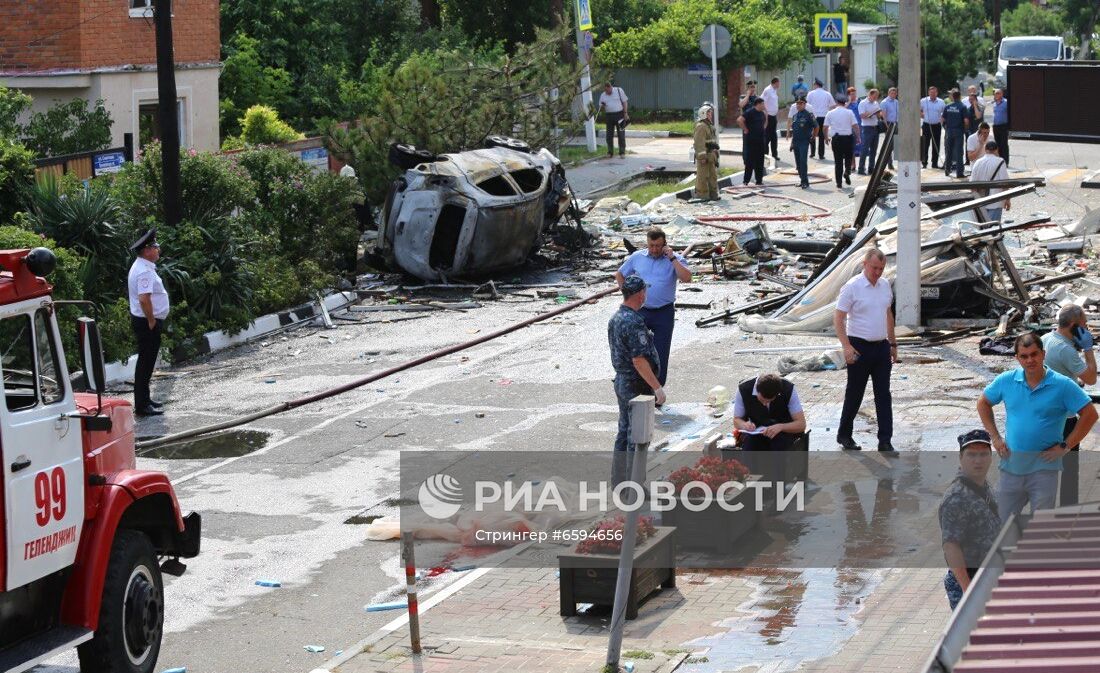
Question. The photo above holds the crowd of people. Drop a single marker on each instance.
(852, 126)
(1047, 411)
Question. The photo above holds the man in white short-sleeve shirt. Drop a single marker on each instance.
(148, 309)
(864, 323)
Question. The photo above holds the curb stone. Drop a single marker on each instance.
(213, 342)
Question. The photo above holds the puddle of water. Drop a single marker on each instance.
(794, 617)
(221, 445)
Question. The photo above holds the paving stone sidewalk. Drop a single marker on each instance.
(764, 620)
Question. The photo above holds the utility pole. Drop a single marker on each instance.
(586, 90)
(907, 280)
(996, 23)
(166, 109)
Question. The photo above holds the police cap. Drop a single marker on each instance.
(633, 285)
(978, 436)
(146, 239)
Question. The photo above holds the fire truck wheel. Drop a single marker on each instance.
(132, 614)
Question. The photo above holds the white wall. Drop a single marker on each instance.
(124, 92)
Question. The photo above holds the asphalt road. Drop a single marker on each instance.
(279, 512)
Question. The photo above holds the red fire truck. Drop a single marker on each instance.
(85, 535)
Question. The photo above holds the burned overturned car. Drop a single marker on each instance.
(472, 213)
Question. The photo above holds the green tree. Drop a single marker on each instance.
(1082, 17)
(245, 81)
(1029, 19)
(757, 37)
(68, 128)
(863, 11)
(16, 176)
(261, 125)
(493, 21)
(13, 103)
(951, 49)
(316, 45)
(617, 16)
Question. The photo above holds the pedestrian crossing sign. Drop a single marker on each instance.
(831, 30)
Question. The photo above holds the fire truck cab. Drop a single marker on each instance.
(84, 535)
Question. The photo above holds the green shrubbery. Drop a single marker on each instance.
(260, 232)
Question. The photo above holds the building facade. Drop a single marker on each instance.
(106, 49)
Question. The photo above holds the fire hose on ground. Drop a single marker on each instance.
(357, 383)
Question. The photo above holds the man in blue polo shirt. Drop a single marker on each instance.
(1037, 401)
(661, 269)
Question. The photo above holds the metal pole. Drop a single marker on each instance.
(410, 590)
(907, 280)
(641, 431)
(166, 108)
(714, 78)
(586, 90)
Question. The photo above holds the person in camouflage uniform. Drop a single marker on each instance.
(969, 522)
(636, 362)
(706, 155)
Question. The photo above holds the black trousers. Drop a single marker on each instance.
(820, 139)
(772, 131)
(894, 149)
(873, 363)
(1071, 467)
(1000, 134)
(611, 129)
(148, 345)
(753, 152)
(930, 135)
(843, 146)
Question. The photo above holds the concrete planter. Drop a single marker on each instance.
(591, 578)
(715, 528)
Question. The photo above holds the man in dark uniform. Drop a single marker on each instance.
(969, 522)
(148, 310)
(636, 363)
(754, 125)
(803, 130)
(956, 120)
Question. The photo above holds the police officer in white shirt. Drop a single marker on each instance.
(864, 323)
(820, 101)
(841, 130)
(771, 108)
(931, 115)
(148, 310)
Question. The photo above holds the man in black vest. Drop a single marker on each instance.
(768, 407)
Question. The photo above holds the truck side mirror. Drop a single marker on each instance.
(91, 354)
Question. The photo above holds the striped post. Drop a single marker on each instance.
(410, 590)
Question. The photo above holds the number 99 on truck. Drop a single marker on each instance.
(84, 534)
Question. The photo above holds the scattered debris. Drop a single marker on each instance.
(274, 584)
(313, 649)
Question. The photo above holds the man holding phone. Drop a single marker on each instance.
(661, 269)
(1069, 352)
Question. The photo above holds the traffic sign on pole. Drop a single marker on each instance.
(715, 35)
(830, 30)
(584, 15)
(715, 42)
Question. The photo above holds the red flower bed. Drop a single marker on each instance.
(607, 535)
(712, 471)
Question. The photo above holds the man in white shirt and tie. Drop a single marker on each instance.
(864, 323)
(771, 108)
(148, 309)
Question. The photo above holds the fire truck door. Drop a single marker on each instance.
(40, 447)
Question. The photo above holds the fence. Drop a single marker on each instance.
(86, 165)
(667, 88)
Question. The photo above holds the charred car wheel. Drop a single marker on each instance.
(406, 156)
(508, 143)
(131, 616)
